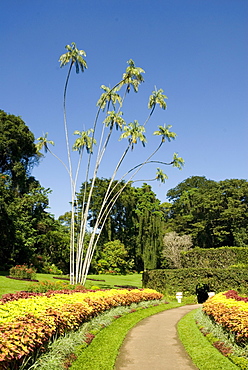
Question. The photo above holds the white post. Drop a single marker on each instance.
(211, 294)
(179, 296)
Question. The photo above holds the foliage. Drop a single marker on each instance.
(223, 340)
(26, 229)
(119, 223)
(18, 153)
(114, 257)
(149, 228)
(203, 354)
(22, 272)
(132, 133)
(186, 280)
(51, 269)
(136, 218)
(229, 310)
(75, 343)
(174, 244)
(39, 319)
(222, 257)
(214, 213)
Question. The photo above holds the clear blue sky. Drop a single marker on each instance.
(195, 50)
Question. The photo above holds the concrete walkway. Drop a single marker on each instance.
(153, 344)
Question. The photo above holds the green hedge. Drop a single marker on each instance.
(185, 280)
(215, 257)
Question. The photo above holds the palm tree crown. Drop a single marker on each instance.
(132, 76)
(165, 132)
(74, 56)
(84, 141)
(133, 132)
(43, 143)
(114, 118)
(109, 96)
(157, 97)
(161, 176)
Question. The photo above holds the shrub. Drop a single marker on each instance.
(229, 310)
(215, 257)
(22, 272)
(114, 259)
(49, 268)
(186, 279)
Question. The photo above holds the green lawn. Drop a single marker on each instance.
(12, 286)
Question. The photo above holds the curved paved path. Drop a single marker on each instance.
(153, 344)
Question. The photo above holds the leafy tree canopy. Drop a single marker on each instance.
(26, 228)
(214, 213)
(18, 153)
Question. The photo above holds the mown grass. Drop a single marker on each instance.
(101, 354)
(112, 280)
(12, 285)
(203, 354)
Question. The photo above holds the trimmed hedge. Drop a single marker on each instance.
(215, 257)
(186, 279)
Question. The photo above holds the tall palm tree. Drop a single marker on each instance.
(83, 141)
(73, 57)
(161, 176)
(177, 161)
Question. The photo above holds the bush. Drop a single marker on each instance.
(186, 279)
(114, 259)
(22, 272)
(49, 268)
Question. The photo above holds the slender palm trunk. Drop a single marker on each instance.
(72, 233)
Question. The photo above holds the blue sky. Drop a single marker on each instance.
(195, 50)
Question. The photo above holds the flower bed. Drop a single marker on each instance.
(22, 272)
(230, 311)
(28, 324)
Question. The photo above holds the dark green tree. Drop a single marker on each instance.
(150, 221)
(18, 153)
(19, 216)
(119, 221)
(136, 219)
(214, 213)
(25, 225)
